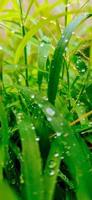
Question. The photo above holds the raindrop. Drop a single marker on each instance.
(49, 119)
(56, 155)
(73, 33)
(42, 44)
(83, 70)
(40, 105)
(33, 128)
(66, 135)
(21, 179)
(90, 170)
(44, 17)
(32, 96)
(66, 40)
(37, 139)
(45, 98)
(1, 48)
(50, 111)
(52, 173)
(52, 164)
(58, 134)
(62, 157)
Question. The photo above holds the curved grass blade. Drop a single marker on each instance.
(58, 57)
(31, 165)
(43, 52)
(76, 154)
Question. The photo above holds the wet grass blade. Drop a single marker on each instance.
(58, 57)
(7, 193)
(43, 52)
(4, 136)
(76, 154)
(31, 165)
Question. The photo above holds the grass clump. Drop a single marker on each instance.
(45, 100)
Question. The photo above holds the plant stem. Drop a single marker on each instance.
(25, 48)
(66, 10)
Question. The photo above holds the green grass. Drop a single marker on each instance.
(45, 100)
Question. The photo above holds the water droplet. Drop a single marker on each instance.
(21, 179)
(73, 33)
(1, 47)
(66, 135)
(52, 173)
(33, 128)
(49, 119)
(32, 96)
(56, 155)
(90, 170)
(62, 157)
(43, 17)
(58, 134)
(83, 70)
(67, 5)
(40, 105)
(52, 164)
(45, 56)
(50, 111)
(45, 98)
(66, 40)
(42, 44)
(37, 139)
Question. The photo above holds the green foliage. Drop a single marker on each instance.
(45, 100)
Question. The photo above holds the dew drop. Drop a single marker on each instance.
(52, 164)
(56, 155)
(21, 179)
(58, 134)
(1, 48)
(66, 40)
(32, 96)
(52, 173)
(42, 44)
(37, 139)
(50, 111)
(33, 128)
(49, 119)
(66, 135)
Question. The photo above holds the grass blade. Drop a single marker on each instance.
(31, 165)
(59, 57)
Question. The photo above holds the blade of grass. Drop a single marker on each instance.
(58, 57)
(31, 165)
(76, 154)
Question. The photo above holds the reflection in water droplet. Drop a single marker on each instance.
(52, 173)
(42, 44)
(56, 155)
(37, 139)
(49, 119)
(58, 134)
(66, 135)
(21, 179)
(50, 111)
(32, 96)
(52, 164)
